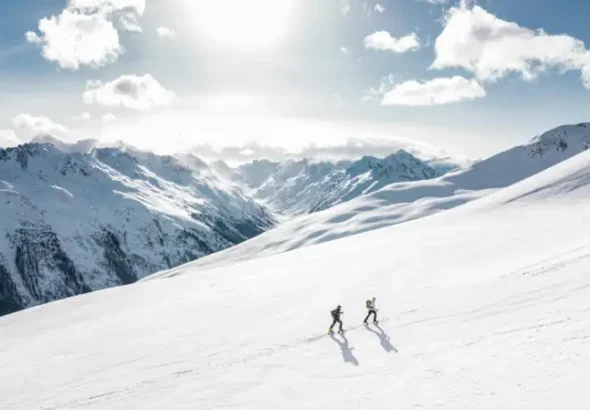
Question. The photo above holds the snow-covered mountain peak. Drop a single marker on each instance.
(255, 173)
(118, 213)
(82, 146)
(72, 222)
(401, 202)
(307, 185)
(565, 137)
(407, 167)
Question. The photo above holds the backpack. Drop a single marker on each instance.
(368, 303)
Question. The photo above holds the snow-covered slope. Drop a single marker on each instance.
(300, 187)
(487, 308)
(405, 201)
(72, 222)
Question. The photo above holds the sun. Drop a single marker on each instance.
(241, 23)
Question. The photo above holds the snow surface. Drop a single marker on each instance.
(487, 306)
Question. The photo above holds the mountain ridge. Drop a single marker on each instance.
(73, 222)
(82, 217)
(402, 202)
(91, 217)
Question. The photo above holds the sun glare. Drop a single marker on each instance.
(241, 23)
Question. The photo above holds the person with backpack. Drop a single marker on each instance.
(370, 304)
(336, 318)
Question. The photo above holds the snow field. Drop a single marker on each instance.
(487, 304)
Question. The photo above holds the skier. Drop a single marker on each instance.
(336, 318)
(372, 311)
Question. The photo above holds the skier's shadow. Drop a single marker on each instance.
(346, 350)
(383, 339)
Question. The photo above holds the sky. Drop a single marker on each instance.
(464, 79)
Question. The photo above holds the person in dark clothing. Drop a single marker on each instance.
(336, 318)
(372, 311)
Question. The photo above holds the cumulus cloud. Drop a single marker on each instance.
(73, 39)
(345, 51)
(434, 92)
(166, 32)
(130, 91)
(32, 37)
(28, 127)
(383, 41)
(137, 6)
(491, 48)
(379, 8)
(124, 13)
(86, 33)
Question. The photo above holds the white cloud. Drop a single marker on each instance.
(124, 13)
(345, 51)
(137, 6)
(86, 116)
(379, 8)
(109, 117)
(28, 127)
(8, 139)
(32, 37)
(166, 32)
(131, 91)
(382, 40)
(86, 33)
(434, 92)
(73, 39)
(491, 48)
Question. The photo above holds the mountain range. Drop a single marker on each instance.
(75, 222)
(307, 186)
(483, 306)
(401, 202)
(76, 218)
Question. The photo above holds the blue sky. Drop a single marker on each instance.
(470, 78)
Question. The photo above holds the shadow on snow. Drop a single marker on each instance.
(346, 350)
(383, 338)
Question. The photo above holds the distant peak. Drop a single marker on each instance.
(565, 137)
